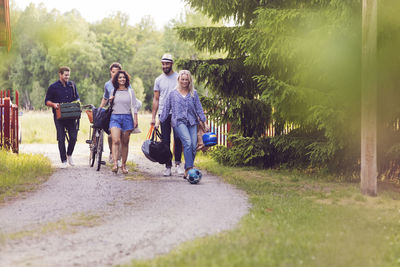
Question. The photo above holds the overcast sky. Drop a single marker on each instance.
(161, 10)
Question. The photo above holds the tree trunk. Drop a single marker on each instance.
(369, 99)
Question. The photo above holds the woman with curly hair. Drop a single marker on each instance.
(124, 118)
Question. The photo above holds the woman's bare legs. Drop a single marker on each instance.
(116, 140)
(125, 147)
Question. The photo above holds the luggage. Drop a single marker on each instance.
(146, 144)
(154, 150)
(68, 111)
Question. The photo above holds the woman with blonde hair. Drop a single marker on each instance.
(186, 110)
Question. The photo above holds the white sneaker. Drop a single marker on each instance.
(167, 172)
(70, 161)
(119, 163)
(179, 170)
(63, 165)
(110, 159)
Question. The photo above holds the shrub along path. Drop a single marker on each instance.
(83, 217)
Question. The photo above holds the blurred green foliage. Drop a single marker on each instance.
(44, 40)
(305, 60)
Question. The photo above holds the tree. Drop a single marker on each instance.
(117, 38)
(299, 55)
(147, 66)
(233, 94)
(52, 40)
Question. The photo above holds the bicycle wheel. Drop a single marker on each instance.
(99, 149)
(93, 149)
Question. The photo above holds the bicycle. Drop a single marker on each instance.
(96, 137)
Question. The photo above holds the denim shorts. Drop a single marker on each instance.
(122, 121)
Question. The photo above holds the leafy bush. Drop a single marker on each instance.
(298, 149)
(245, 151)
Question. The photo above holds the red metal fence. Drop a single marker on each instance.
(9, 125)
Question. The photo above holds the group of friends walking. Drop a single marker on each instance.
(176, 105)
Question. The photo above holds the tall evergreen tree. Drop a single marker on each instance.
(289, 56)
(234, 94)
(304, 58)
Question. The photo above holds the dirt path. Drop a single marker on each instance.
(81, 217)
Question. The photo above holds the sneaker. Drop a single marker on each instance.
(70, 161)
(119, 163)
(167, 172)
(110, 159)
(179, 170)
(63, 165)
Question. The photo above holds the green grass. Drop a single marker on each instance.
(296, 220)
(21, 172)
(38, 127)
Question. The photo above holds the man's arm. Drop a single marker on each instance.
(103, 102)
(156, 99)
(52, 104)
(50, 95)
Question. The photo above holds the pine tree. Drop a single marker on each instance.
(289, 56)
(235, 96)
(303, 60)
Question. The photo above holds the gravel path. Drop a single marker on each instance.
(81, 217)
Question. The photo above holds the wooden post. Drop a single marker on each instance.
(369, 93)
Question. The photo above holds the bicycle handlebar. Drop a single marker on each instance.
(89, 106)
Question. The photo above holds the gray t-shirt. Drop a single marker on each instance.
(165, 84)
(122, 102)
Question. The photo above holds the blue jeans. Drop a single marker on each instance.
(188, 136)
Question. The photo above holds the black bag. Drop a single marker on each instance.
(160, 151)
(146, 144)
(101, 118)
(155, 150)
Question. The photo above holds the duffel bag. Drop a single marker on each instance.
(146, 144)
(160, 151)
(156, 150)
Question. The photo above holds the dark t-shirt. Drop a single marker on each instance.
(58, 93)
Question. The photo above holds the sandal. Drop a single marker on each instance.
(124, 170)
(114, 169)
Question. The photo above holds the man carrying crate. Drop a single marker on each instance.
(60, 92)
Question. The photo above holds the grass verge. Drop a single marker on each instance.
(21, 172)
(296, 220)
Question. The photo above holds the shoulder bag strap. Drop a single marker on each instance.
(132, 109)
(112, 101)
(74, 89)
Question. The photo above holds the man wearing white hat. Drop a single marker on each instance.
(163, 85)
